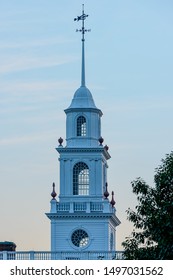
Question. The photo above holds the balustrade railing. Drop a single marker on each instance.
(96, 206)
(63, 206)
(47, 255)
(81, 207)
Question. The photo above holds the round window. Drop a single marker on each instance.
(80, 238)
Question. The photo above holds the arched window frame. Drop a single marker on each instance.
(80, 179)
(81, 126)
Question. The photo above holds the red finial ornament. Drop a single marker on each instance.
(112, 200)
(106, 193)
(101, 140)
(106, 147)
(53, 194)
(60, 140)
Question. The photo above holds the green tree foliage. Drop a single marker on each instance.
(152, 237)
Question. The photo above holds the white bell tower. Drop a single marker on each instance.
(83, 218)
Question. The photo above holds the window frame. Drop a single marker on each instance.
(81, 126)
(81, 178)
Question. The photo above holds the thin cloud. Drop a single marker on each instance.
(139, 105)
(34, 43)
(26, 138)
(17, 87)
(19, 63)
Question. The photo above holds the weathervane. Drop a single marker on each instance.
(82, 17)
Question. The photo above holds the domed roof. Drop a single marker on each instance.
(82, 99)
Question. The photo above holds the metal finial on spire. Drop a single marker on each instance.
(82, 17)
(83, 31)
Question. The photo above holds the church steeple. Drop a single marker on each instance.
(83, 219)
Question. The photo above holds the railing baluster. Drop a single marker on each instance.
(69, 255)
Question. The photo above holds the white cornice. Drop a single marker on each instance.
(62, 149)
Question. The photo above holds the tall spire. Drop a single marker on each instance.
(82, 97)
(82, 30)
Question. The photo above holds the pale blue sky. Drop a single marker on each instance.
(129, 70)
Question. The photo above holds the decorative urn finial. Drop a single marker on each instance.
(60, 140)
(106, 193)
(53, 194)
(112, 200)
(106, 147)
(101, 140)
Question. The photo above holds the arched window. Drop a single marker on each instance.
(80, 179)
(81, 126)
